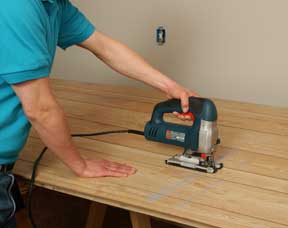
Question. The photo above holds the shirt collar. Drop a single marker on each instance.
(51, 1)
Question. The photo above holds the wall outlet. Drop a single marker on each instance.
(161, 35)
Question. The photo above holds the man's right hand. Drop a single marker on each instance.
(105, 168)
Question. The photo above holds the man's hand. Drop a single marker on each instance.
(176, 91)
(105, 168)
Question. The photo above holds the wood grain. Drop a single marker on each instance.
(250, 191)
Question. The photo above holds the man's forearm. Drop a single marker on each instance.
(125, 61)
(53, 129)
(47, 117)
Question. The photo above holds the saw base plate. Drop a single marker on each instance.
(191, 163)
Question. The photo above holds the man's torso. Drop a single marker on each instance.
(14, 126)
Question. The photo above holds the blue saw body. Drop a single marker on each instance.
(180, 135)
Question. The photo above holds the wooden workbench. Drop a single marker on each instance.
(250, 191)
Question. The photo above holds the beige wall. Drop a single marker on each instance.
(232, 49)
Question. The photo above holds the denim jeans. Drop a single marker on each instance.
(7, 203)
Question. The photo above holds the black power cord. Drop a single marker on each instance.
(37, 161)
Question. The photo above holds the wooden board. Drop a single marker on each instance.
(250, 191)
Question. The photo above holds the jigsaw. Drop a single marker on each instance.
(199, 140)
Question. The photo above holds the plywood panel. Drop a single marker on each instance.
(165, 182)
(250, 191)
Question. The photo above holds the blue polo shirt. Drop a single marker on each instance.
(30, 31)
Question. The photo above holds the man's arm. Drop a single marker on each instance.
(125, 61)
(48, 119)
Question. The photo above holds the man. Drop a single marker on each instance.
(30, 31)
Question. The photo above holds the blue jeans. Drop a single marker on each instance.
(7, 203)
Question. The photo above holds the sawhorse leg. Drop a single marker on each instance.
(140, 220)
(96, 215)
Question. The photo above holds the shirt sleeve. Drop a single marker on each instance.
(24, 54)
(75, 27)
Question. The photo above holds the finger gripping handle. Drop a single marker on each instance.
(201, 108)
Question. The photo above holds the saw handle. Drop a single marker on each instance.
(201, 108)
(189, 114)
